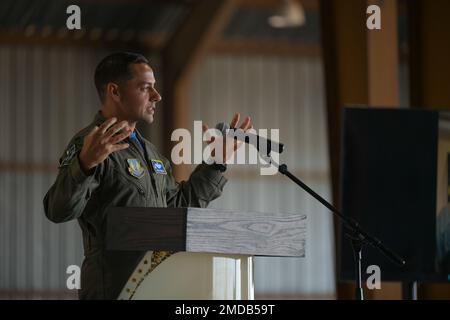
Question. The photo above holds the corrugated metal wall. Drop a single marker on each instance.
(41, 107)
(286, 94)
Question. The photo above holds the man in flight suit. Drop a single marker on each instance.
(109, 164)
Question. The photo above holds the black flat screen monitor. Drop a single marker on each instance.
(389, 165)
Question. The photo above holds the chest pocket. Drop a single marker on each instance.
(133, 174)
(160, 180)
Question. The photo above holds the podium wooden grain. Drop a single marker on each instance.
(206, 230)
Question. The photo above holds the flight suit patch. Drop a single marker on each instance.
(70, 153)
(158, 166)
(135, 168)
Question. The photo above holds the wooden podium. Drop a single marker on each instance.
(195, 253)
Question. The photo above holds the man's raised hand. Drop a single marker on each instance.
(101, 142)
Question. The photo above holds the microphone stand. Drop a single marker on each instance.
(354, 232)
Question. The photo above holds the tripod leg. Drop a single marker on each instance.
(409, 290)
(357, 252)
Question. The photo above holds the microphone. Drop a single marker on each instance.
(260, 143)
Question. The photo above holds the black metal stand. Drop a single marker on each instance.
(409, 290)
(357, 253)
(357, 235)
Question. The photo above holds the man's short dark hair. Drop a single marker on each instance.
(115, 68)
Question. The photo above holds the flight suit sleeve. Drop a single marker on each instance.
(67, 197)
(204, 185)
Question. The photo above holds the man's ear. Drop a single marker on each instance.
(112, 90)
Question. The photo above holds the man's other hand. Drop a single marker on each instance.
(231, 145)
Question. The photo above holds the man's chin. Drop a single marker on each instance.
(148, 119)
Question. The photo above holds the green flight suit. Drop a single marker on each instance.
(116, 183)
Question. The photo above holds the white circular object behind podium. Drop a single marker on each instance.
(193, 276)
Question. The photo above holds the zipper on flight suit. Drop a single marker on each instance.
(136, 184)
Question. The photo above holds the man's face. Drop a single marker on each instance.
(138, 95)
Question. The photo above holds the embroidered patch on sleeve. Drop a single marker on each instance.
(68, 156)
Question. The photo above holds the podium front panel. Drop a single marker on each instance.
(192, 276)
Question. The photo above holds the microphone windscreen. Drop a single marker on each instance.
(222, 127)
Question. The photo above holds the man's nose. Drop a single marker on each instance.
(155, 97)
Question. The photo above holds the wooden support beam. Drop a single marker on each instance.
(194, 37)
(189, 44)
(62, 37)
(383, 57)
(345, 62)
(361, 67)
(311, 5)
(429, 53)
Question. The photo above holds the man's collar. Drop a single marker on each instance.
(133, 135)
(99, 119)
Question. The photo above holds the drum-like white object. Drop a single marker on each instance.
(192, 276)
